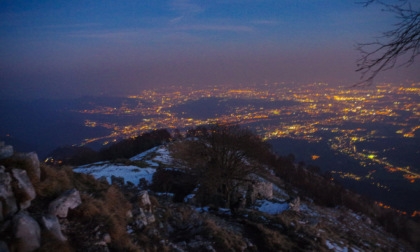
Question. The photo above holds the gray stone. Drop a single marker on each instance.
(144, 201)
(6, 195)
(6, 151)
(3, 247)
(24, 188)
(50, 222)
(68, 200)
(33, 160)
(263, 190)
(26, 233)
(144, 218)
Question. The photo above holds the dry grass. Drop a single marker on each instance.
(109, 212)
(269, 240)
(103, 206)
(54, 181)
(225, 240)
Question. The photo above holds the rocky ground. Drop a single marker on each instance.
(109, 206)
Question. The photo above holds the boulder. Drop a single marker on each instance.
(23, 189)
(6, 151)
(7, 196)
(143, 219)
(68, 200)
(33, 161)
(257, 189)
(144, 201)
(50, 223)
(26, 233)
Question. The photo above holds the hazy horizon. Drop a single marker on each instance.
(67, 49)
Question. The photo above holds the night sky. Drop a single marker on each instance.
(64, 49)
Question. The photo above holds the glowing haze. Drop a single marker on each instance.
(62, 48)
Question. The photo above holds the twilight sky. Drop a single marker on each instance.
(62, 48)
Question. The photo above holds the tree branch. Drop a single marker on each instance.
(383, 54)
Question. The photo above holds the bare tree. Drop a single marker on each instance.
(221, 157)
(383, 53)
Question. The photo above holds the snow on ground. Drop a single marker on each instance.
(152, 157)
(269, 207)
(143, 155)
(163, 156)
(128, 172)
(155, 156)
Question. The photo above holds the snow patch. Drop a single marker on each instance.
(189, 197)
(269, 207)
(142, 155)
(128, 172)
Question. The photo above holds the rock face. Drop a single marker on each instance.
(258, 189)
(263, 190)
(50, 222)
(24, 188)
(7, 197)
(26, 232)
(32, 159)
(5, 150)
(68, 200)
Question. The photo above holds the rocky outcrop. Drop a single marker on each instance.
(32, 160)
(144, 213)
(19, 231)
(7, 197)
(50, 222)
(144, 201)
(68, 200)
(142, 219)
(24, 188)
(26, 233)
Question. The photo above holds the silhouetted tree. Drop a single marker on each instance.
(221, 157)
(383, 53)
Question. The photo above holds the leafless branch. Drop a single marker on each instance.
(382, 54)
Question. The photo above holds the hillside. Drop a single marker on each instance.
(157, 201)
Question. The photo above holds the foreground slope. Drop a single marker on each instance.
(122, 207)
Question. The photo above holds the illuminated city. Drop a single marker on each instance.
(341, 117)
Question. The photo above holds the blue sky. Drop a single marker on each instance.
(72, 48)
